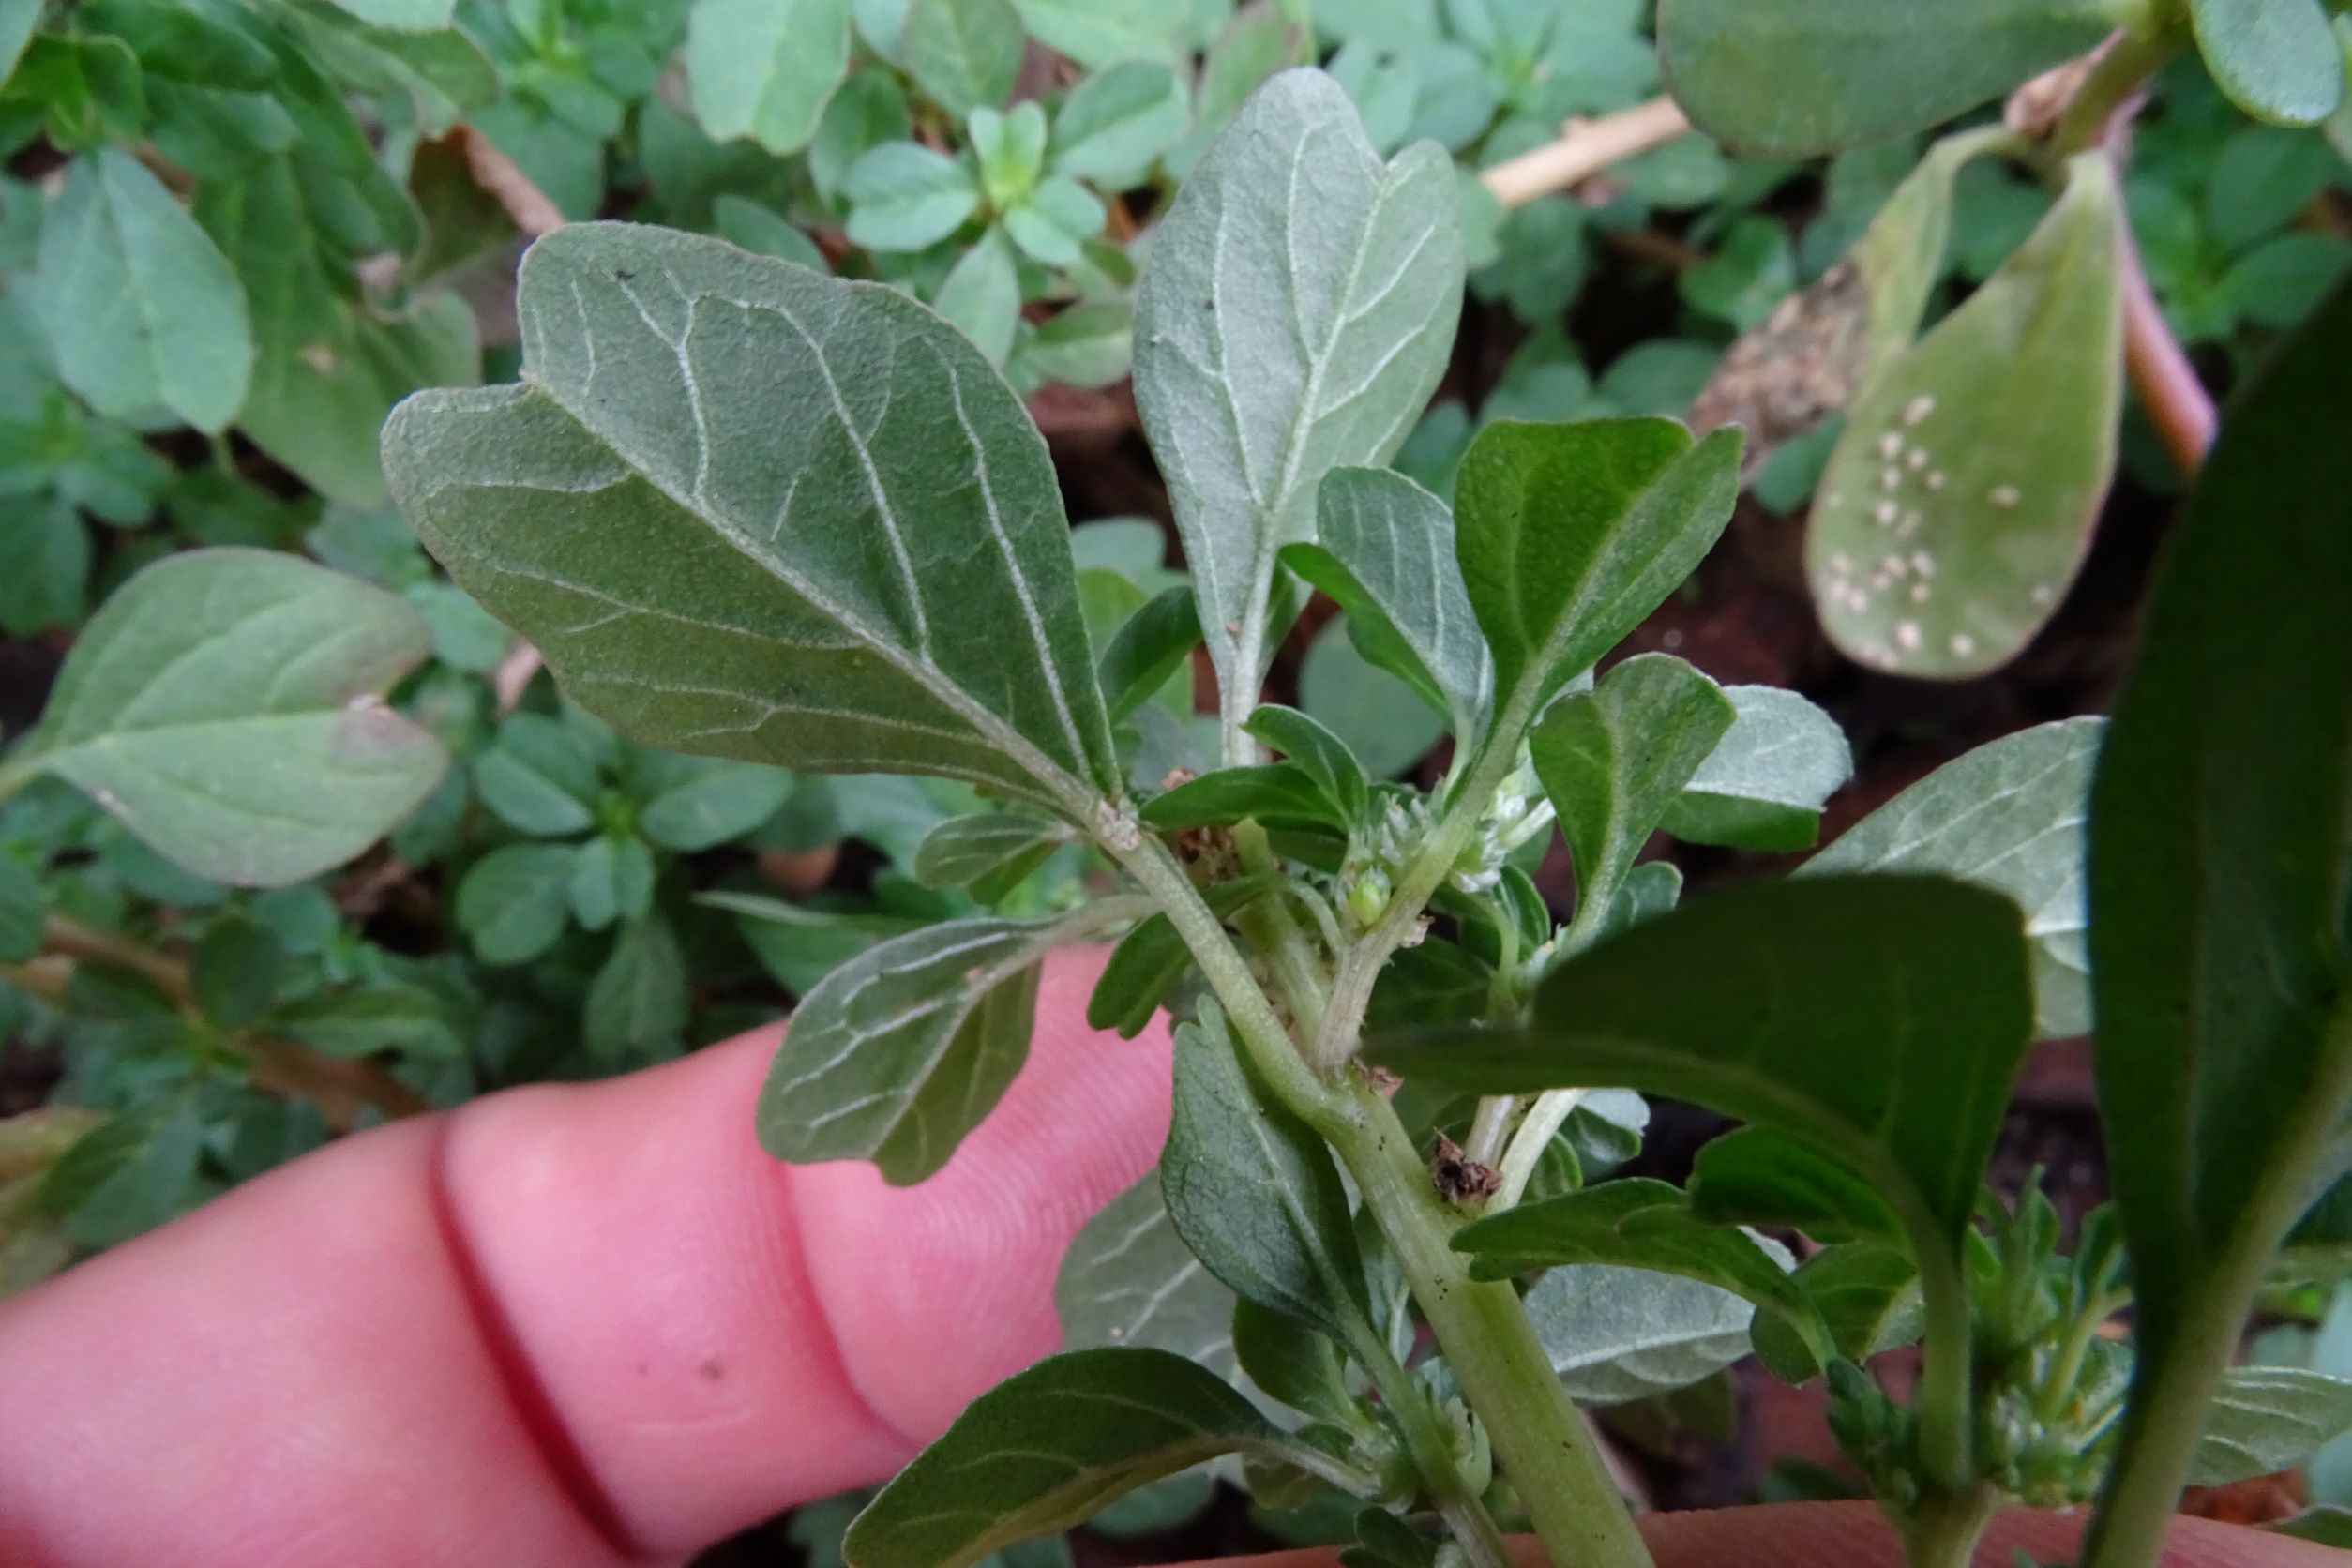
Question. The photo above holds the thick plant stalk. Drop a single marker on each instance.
(1537, 1433)
(1585, 150)
(2137, 1511)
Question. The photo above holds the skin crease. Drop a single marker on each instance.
(597, 1325)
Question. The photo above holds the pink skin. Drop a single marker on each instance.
(587, 1326)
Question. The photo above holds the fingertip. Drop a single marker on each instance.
(940, 1291)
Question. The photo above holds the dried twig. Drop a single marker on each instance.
(1585, 149)
(342, 1090)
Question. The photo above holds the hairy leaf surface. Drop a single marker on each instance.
(1298, 311)
(753, 512)
(899, 1052)
(1386, 553)
(2008, 815)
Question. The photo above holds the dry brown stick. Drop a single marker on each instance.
(1585, 149)
(342, 1090)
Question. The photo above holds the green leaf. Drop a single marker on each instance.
(739, 220)
(1760, 1175)
(327, 368)
(869, 111)
(1253, 1193)
(2268, 1419)
(766, 68)
(1763, 788)
(372, 1018)
(142, 309)
(2008, 815)
(1150, 959)
(1614, 759)
(903, 196)
(1087, 345)
(129, 1174)
(637, 1004)
(801, 946)
(1615, 1334)
(1043, 1450)
(899, 1052)
(223, 705)
(965, 851)
(1260, 40)
(1386, 554)
(44, 564)
(1796, 77)
(965, 54)
(1284, 328)
(1570, 535)
(1011, 148)
(410, 16)
(612, 879)
(813, 528)
(1877, 1019)
(539, 778)
(1053, 222)
(2276, 59)
(1867, 1293)
(1148, 649)
(2220, 855)
(2327, 1524)
(234, 971)
(1639, 1224)
(1099, 33)
(18, 18)
(514, 902)
(1293, 1363)
(1129, 1279)
(1381, 718)
(981, 297)
(1960, 501)
(1277, 795)
(1323, 756)
(1116, 124)
(714, 803)
(23, 907)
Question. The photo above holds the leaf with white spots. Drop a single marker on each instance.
(747, 510)
(1298, 309)
(1959, 502)
(1763, 785)
(2008, 815)
(899, 1052)
(1129, 1279)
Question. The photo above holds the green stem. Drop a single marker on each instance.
(1542, 1442)
(2174, 1389)
(1944, 1530)
(1254, 1022)
(1464, 1512)
(2118, 76)
(1537, 1128)
(1945, 1403)
(1490, 1129)
(1351, 988)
